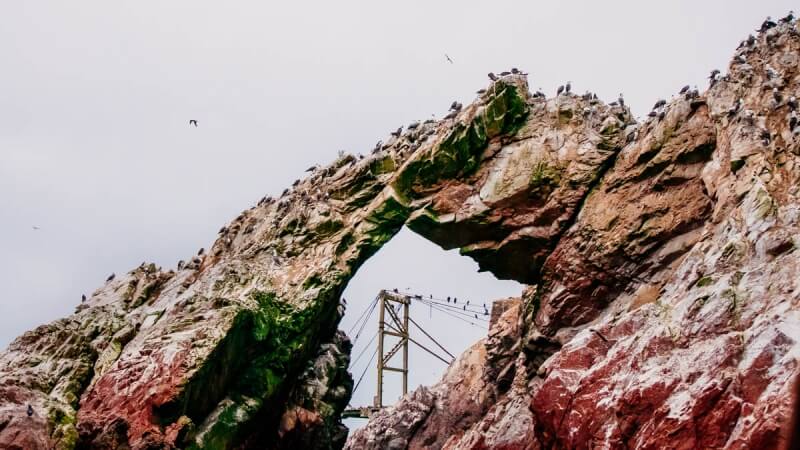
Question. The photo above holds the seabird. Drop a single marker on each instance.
(455, 300)
(448, 58)
(751, 40)
(454, 106)
(285, 191)
(505, 73)
(621, 100)
(569, 87)
(30, 410)
(83, 298)
(789, 18)
(201, 251)
(767, 24)
(659, 104)
(713, 76)
(560, 90)
(793, 120)
(514, 70)
(480, 91)
(451, 115)
(492, 76)
(464, 307)
(311, 169)
(398, 132)
(777, 95)
(684, 89)
(772, 73)
(476, 316)
(652, 114)
(110, 277)
(193, 122)
(792, 103)
(35, 227)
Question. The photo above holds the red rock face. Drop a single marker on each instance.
(668, 313)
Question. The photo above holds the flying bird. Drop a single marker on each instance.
(35, 227)
(193, 122)
(448, 58)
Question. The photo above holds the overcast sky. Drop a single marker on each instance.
(95, 98)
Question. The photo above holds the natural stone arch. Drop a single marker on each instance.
(203, 354)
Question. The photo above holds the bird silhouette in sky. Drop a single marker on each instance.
(193, 122)
(448, 58)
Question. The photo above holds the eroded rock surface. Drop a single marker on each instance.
(662, 308)
(668, 314)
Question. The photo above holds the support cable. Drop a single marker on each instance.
(431, 338)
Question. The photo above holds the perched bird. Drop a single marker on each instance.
(467, 302)
(480, 91)
(766, 25)
(448, 58)
(713, 76)
(311, 169)
(455, 300)
(398, 132)
(201, 251)
(476, 316)
(621, 100)
(777, 95)
(110, 277)
(652, 114)
(492, 76)
(659, 104)
(789, 17)
(772, 73)
(751, 40)
(464, 307)
(505, 73)
(30, 410)
(83, 298)
(793, 120)
(569, 87)
(560, 90)
(193, 122)
(684, 89)
(452, 115)
(792, 103)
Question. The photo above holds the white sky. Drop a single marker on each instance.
(95, 96)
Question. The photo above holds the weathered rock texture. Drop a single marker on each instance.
(663, 307)
(668, 314)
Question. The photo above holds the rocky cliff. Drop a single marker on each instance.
(662, 307)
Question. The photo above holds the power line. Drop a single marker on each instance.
(458, 311)
(365, 369)
(362, 315)
(430, 337)
(457, 317)
(355, 361)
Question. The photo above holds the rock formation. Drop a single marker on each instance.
(662, 307)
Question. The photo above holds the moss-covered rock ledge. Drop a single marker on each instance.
(237, 347)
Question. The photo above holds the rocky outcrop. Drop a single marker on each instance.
(662, 307)
(668, 314)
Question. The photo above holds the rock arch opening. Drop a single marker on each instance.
(413, 264)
